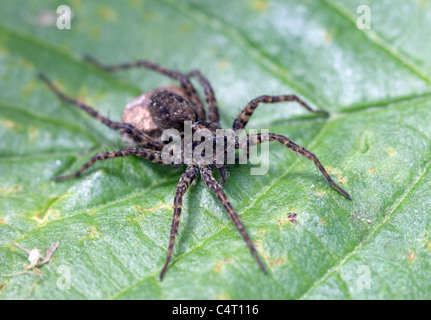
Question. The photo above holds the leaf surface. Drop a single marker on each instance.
(113, 222)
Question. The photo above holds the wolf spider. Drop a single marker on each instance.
(170, 107)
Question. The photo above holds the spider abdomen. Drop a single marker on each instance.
(137, 113)
(170, 110)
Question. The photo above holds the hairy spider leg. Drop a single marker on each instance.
(140, 137)
(213, 115)
(208, 177)
(242, 119)
(151, 155)
(184, 183)
(257, 139)
(223, 175)
(183, 79)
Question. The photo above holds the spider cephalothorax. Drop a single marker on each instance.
(147, 116)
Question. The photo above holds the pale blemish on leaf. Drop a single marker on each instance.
(342, 180)
(149, 15)
(46, 215)
(328, 36)
(25, 64)
(281, 222)
(95, 33)
(10, 190)
(135, 3)
(259, 5)
(83, 94)
(357, 216)
(76, 3)
(160, 206)
(391, 152)
(32, 133)
(3, 51)
(92, 232)
(223, 65)
(220, 264)
(186, 27)
(10, 124)
(320, 193)
(332, 170)
(273, 263)
(29, 88)
(107, 13)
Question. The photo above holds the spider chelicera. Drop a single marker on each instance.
(170, 107)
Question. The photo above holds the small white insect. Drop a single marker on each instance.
(34, 256)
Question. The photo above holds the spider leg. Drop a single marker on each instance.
(183, 79)
(258, 139)
(242, 119)
(151, 155)
(184, 183)
(214, 186)
(223, 175)
(140, 137)
(213, 115)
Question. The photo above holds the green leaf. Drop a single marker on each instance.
(113, 222)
